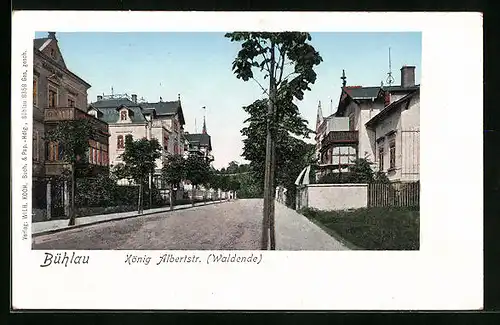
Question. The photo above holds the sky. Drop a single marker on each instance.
(198, 67)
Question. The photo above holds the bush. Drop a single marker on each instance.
(360, 172)
(373, 228)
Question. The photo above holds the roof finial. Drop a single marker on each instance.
(390, 78)
(343, 78)
(179, 97)
(52, 35)
(204, 130)
(161, 99)
(319, 115)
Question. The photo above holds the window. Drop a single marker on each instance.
(54, 151)
(36, 150)
(35, 90)
(352, 127)
(165, 142)
(52, 97)
(120, 144)
(392, 153)
(387, 98)
(99, 154)
(104, 149)
(381, 156)
(71, 101)
(123, 115)
(53, 53)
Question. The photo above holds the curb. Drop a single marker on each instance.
(52, 231)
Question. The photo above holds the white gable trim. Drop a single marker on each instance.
(47, 42)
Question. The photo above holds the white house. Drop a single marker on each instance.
(395, 135)
(126, 116)
(351, 132)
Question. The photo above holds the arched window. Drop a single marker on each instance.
(123, 115)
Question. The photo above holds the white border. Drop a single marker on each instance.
(445, 274)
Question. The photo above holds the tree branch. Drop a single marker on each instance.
(282, 58)
(263, 89)
(264, 55)
(290, 75)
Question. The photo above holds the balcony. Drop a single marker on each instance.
(58, 114)
(340, 137)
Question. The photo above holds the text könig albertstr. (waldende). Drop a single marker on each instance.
(169, 258)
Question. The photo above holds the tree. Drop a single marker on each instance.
(232, 168)
(292, 153)
(234, 185)
(139, 160)
(197, 172)
(73, 137)
(173, 172)
(272, 54)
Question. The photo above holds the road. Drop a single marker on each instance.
(232, 225)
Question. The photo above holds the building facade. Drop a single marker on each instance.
(395, 134)
(350, 132)
(199, 144)
(125, 115)
(58, 95)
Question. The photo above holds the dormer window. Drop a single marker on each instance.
(123, 115)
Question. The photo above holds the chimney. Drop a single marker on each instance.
(134, 98)
(52, 35)
(407, 76)
(99, 97)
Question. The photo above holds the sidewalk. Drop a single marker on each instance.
(295, 232)
(39, 228)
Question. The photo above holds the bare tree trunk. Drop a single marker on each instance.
(171, 197)
(266, 220)
(272, 95)
(139, 199)
(272, 231)
(72, 214)
(193, 190)
(150, 191)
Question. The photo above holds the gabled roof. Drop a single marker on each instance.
(114, 103)
(390, 108)
(38, 42)
(167, 108)
(356, 93)
(362, 92)
(151, 111)
(110, 110)
(201, 139)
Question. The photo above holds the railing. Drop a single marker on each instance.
(57, 114)
(395, 195)
(334, 137)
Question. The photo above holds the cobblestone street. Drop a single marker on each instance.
(233, 225)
